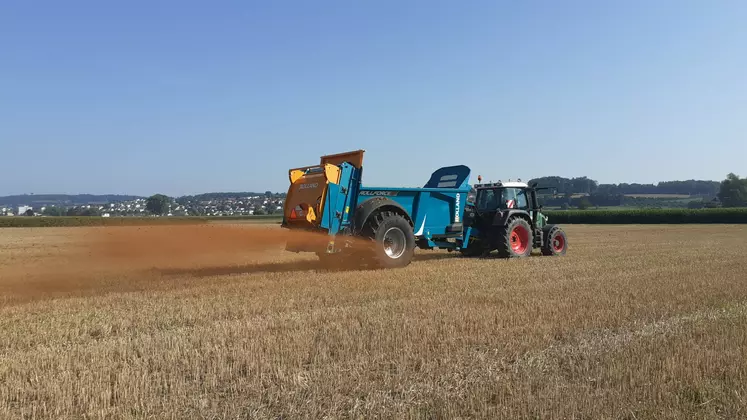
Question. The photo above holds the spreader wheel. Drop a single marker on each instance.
(393, 241)
(554, 241)
(515, 240)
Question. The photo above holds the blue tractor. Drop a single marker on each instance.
(382, 226)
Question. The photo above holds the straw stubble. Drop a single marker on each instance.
(635, 322)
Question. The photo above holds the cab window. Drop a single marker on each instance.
(487, 200)
(514, 198)
(502, 199)
(521, 199)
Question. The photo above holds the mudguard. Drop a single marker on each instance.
(502, 217)
(368, 207)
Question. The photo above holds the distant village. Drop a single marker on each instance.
(206, 205)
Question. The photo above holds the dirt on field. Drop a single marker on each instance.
(636, 322)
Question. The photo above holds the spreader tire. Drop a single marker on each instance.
(515, 239)
(393, 241)
(554, 241)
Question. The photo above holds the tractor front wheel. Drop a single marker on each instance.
(554, 241)
(515, 239)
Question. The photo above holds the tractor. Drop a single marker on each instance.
(506, 217)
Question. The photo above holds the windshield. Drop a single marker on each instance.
(500, 199)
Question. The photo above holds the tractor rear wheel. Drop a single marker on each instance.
(393, 241)
(554, 241)
(515, 239)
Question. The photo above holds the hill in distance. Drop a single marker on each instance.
(63, 199)
(70, 200)
(563, 185)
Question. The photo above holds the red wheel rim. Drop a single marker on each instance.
(558, 243)
(519, 239)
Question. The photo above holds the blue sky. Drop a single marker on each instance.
(184, 97)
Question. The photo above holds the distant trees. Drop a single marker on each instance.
(53, 211)
(83, 211)
(584, 204)
(158, 204)
(569, 192)
(691, 187)
(733, 191)
(584, 193)
(567, 185)
(696, 204)
(584, 185)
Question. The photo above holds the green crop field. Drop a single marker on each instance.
(649, 216)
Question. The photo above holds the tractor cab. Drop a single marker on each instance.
(501, 197)
(495, 199)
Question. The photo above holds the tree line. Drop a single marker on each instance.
(731, 192)
(585, 185)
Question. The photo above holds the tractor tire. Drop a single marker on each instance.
(515, 239)
(393, 240)
(554, 241)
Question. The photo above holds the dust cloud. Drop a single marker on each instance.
(183, 246)
(102, 259)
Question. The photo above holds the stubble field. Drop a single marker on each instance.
(218, 322)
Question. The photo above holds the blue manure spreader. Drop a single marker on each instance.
(382, 226)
